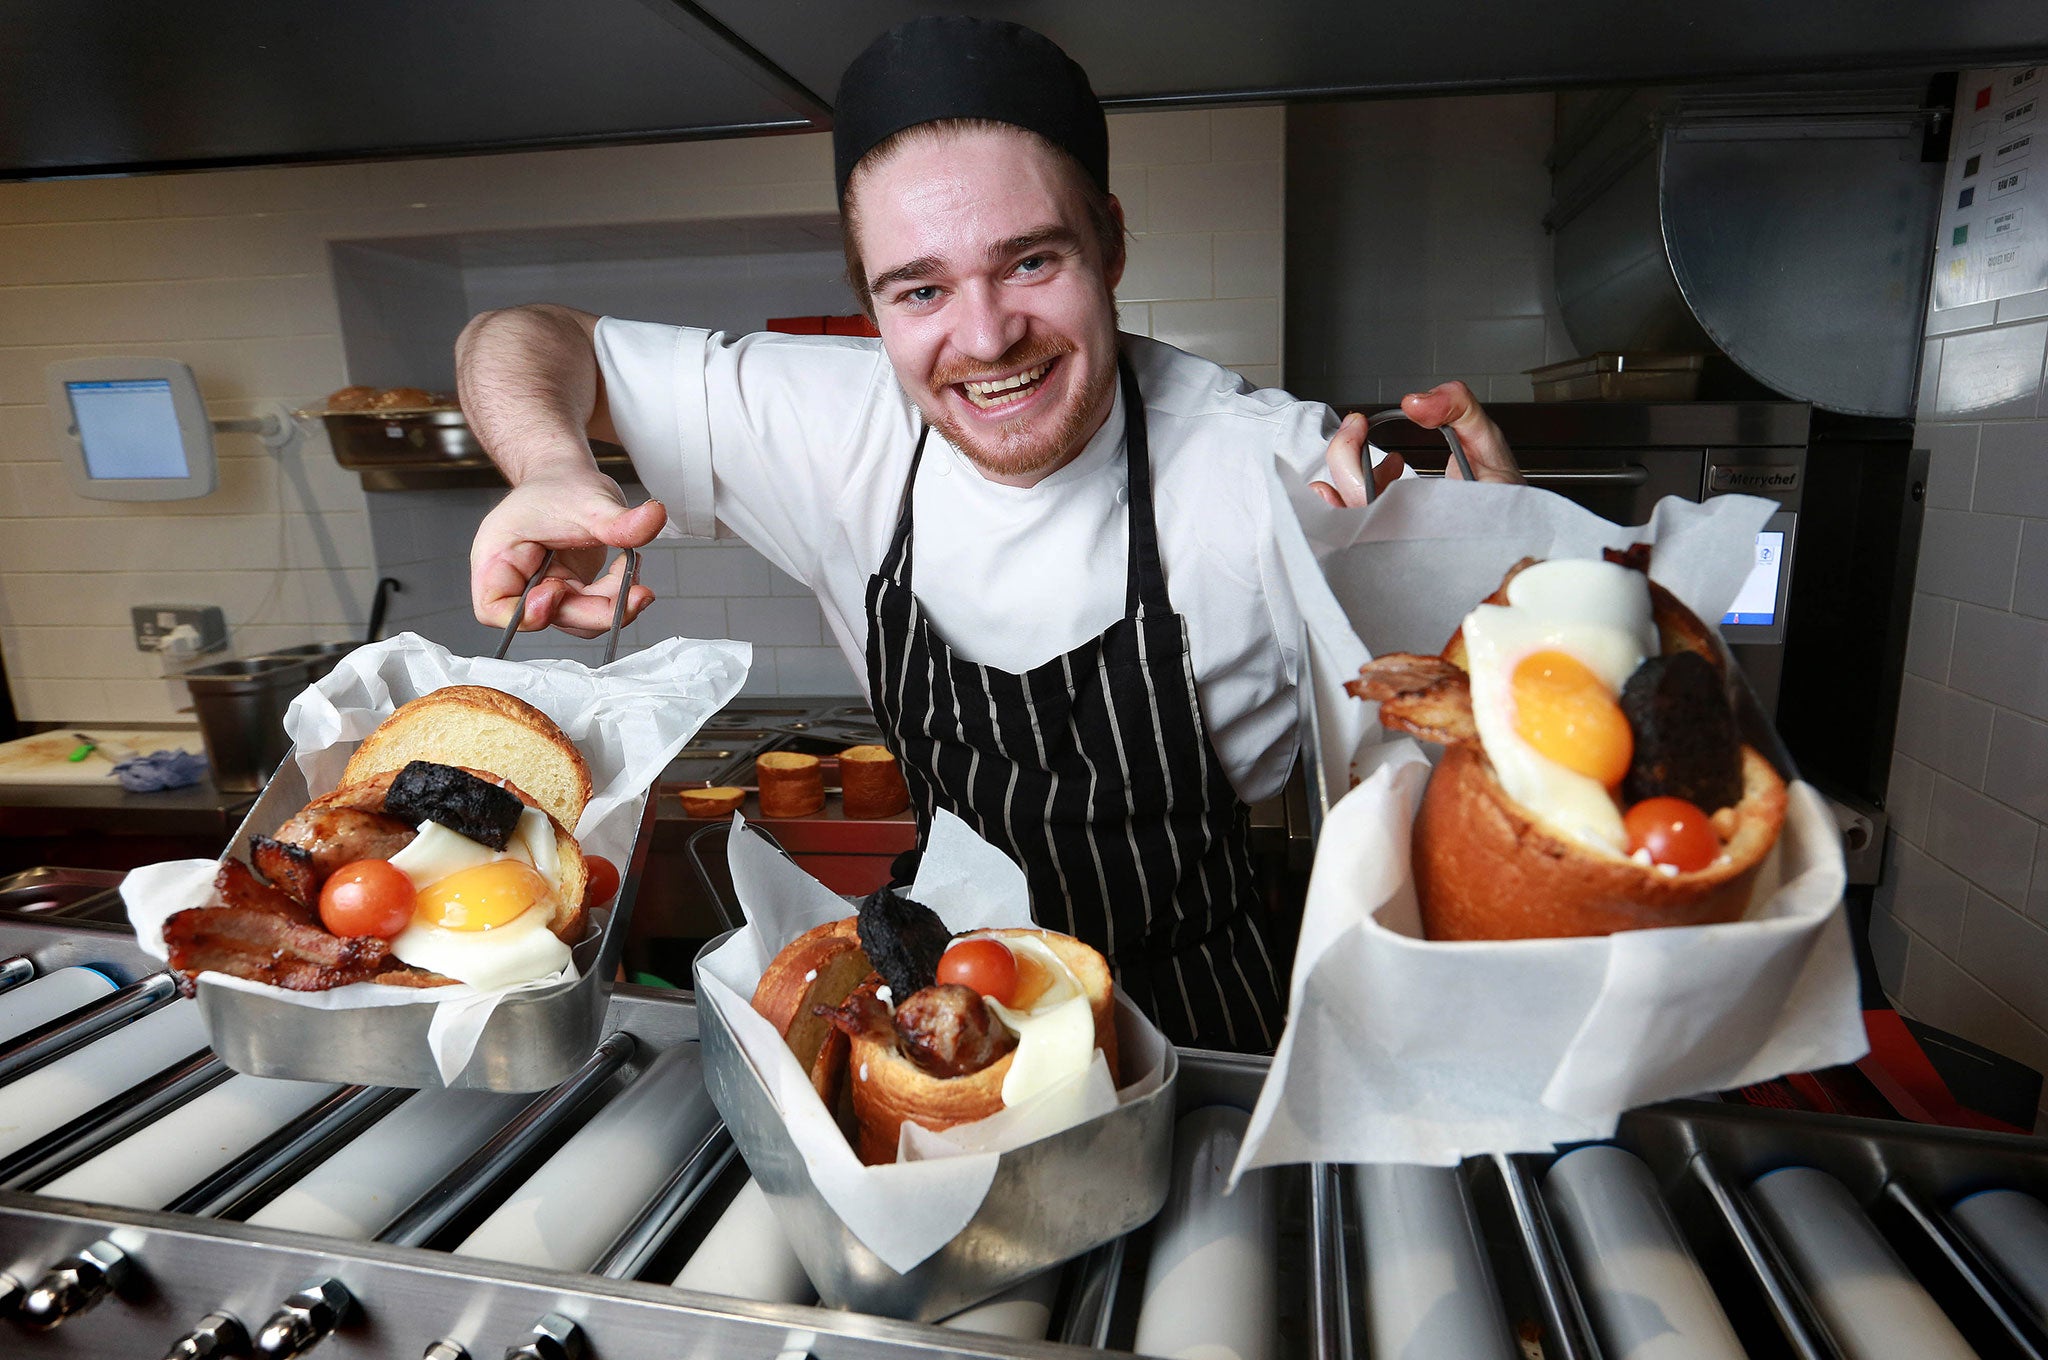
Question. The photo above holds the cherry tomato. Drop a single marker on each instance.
(604, 881)
(368, 897)
(1674, 832)
(984, 964)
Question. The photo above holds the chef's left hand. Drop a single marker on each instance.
(1451, 404)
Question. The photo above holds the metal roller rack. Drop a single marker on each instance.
(121, 1281)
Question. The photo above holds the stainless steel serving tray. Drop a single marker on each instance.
(533, 1040)
(1051, 1200)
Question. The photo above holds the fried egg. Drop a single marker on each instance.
(1547, 669)
(1055, 1031)
(481, 915)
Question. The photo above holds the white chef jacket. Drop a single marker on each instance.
(801, 445)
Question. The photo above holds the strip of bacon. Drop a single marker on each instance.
(861, 1013)
(264, 946)
(1425, 696)
(238, 887)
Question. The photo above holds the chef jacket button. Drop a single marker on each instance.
(1123, 494)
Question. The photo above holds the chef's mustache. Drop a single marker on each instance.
(1027, 353)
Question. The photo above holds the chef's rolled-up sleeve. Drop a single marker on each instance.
(654, 385)
(753, 432)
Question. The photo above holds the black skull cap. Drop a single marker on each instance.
(956, 66)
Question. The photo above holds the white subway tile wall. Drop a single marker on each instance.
(1960, 927)
(228, 272)
(1415, 247)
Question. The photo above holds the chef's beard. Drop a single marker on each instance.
(1021, 448)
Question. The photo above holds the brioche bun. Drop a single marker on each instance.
(357, 398)
(871, 783)
(820, 967)
(791, 784)
(569, 919)
(1485, 869)
(478, 728)
(888, 1088)
(715, 802)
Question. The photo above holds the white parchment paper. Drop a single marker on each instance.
(629, 719)
(904, 1212)
(1402, 1050)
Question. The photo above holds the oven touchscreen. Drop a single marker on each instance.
(1756, 604)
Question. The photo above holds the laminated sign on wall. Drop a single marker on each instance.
(1993, 238)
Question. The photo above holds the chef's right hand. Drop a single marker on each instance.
(579, 513)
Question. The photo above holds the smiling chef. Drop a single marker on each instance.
(1060, 555)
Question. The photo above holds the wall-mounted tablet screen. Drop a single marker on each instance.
(131, 429)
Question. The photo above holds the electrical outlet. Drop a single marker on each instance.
(179, 629)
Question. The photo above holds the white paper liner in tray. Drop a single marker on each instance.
(1403, 1050)
(628, 718)
(907, 1211)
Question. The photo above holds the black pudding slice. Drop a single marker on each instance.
(1686, 742)
(903, 939)
(457, 799)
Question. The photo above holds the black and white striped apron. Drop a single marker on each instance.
(1095, 773)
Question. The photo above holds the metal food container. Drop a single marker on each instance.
(240, 706)
(370, 439)
(1611, 376)
(1051, 1200)
(533, 1040)
(318, 657)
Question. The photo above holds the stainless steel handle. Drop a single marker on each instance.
(554, 1338)
(67, 1032)
(15, 971)
(434, 1210)
(1805, 1335)
(1325, 1260)
(659, 1220)
(69, 1145)
(1574, 477)
(1094, 1290)
(1633, 475)
(1978, 1275)
(74, 1284)
(286, 1154)
(1571, 1335)
(304, 1320)
(218, 1336)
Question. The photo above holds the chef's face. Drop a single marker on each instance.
(992, 294)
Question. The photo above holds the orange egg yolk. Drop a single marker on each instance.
(481, 897)
(1033, 979)
(1568, 715)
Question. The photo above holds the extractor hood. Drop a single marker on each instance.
(123, 86)
(1790, 231)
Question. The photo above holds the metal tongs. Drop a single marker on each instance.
(611, 641)
(1372, 490)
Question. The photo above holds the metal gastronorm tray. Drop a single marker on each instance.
(1051, 1200)
(532, 1041)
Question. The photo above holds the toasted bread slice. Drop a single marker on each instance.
(819, 968)
(479, 728)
